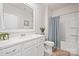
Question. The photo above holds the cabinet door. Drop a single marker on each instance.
(37, 50)
(40, 50)
(33, 48)
(11, 51)
(41, 40)
(29, 51)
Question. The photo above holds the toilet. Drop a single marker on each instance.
(48, 48)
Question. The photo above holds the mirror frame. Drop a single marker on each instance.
(17, 30)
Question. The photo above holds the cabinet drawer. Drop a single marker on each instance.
(11, 51)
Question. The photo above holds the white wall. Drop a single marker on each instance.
(46, 21)
(39, 16)
(43, 13)
(59, 12)
(0, 14)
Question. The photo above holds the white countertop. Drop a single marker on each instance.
(17, 40)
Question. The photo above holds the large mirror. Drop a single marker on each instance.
(17, 16)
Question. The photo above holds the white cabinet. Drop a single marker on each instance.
(40, 50)
(34, 47)
(14, 50)
(34, 51)
(29, 51)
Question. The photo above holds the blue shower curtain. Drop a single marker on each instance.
(53, 31)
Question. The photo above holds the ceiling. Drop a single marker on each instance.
(51, 6)
(21, 6)
(55, 6)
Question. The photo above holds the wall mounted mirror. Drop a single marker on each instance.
(17, 16)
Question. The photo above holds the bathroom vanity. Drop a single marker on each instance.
(19, 17)
(29, 45)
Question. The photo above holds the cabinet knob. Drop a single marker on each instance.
(7, 52)
(14, 50)
(10, 51)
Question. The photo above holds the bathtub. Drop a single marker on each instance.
(69, 46)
